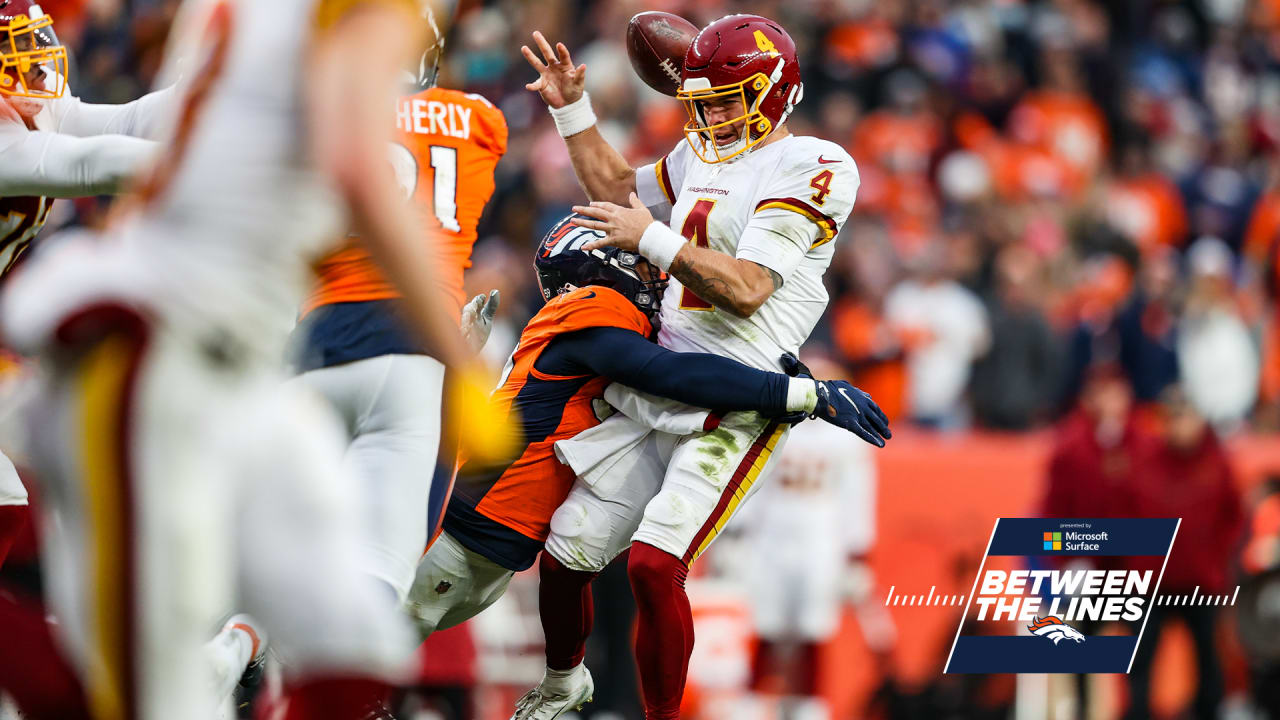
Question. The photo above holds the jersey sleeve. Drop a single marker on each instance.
(147, 117)
(658, 184)
(492, 127)
(802, 209)
(57, 165)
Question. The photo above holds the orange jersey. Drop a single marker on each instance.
(447, 145)
(508, 509)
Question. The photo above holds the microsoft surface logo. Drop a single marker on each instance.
(1053, 541)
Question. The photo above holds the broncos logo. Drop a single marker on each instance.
(1053, 628)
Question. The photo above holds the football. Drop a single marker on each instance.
(657, 43)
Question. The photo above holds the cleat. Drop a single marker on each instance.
(251, 680)
(556, 696)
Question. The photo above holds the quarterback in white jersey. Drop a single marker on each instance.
(52, 145)
(753, 211)
(188, 477)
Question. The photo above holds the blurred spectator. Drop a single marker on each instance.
(1186, 474)
(1216, 353)
(1070, 128)
(1096, 451)
(1148, 325)
(1014, 383)
(944, 328)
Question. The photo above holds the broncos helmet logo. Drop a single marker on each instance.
(1052, 627)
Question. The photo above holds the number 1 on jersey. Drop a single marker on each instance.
(444, 165)
(695, 229)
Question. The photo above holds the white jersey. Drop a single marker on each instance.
(780, 206)
(245, 211)
(237, 209)
(77, 149)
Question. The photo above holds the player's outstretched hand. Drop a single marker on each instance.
(477, 318)
(843, 405)
(559, 82)
(622, 226)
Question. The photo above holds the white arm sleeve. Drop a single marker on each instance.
(802, 207)
(777, 239)
(147, 117)
(61, 166)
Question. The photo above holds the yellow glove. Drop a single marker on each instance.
(485, 431)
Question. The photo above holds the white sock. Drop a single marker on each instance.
(229, 653)
(560, 682)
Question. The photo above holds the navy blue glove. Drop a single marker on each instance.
(844, 405)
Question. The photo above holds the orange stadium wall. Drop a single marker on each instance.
(938, 496)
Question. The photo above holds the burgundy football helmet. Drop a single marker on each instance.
(27, 42)
(744, 57)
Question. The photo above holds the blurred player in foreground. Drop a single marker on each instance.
(187, 476)
(52, 145)
(757, 210)
(359, 355)
(596, 327)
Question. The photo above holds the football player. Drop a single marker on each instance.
(596, 328)
(52, 145)
(754, 211)
(358, 354)
(188, 477)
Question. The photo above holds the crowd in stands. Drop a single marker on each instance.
(1046, 185)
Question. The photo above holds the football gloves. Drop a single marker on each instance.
(477, 319)
(843, 405)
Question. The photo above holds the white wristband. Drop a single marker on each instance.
(659, 244)
(802, 394)
(574, 117)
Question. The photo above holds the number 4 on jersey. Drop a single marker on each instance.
(695, 229)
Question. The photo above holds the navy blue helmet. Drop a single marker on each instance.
(562, 265)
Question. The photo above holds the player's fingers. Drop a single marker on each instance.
(582, 69)
(591, 224)
(562, 53)
(863, 433)
(532, 57)
(545, 47)
(490, 309)
(592, 211)
(882, 423)
(595, 244)
(635, 202)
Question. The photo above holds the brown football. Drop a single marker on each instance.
(657, 43)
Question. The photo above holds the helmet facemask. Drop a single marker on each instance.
(32, 62)
(756, 126)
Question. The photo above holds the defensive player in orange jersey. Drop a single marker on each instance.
(596, 328)
(358, 353)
